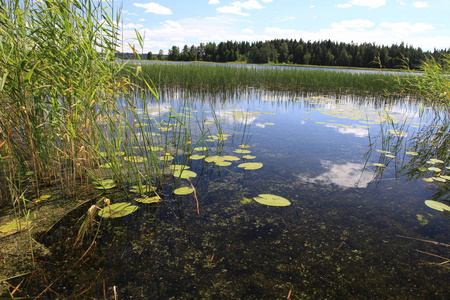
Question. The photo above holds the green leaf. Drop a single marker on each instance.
(437, 205)
(185, 174)
(230, 157)
(105, 184)
(148, 199)
(223, 163)
(196, 157)
(117, 210)
(251, 166)
(183, 190)
(242, 151)
(272, 200)
(144, 188)
(200, 148)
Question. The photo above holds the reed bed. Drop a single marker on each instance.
(223, 77)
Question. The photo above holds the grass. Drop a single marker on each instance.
(223, 77)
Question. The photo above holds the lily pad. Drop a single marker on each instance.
(434, 169)
(201, 148)
(42, 198)
(185, 174)
(245, 201)
(223, 163)
(183, 190)
(439, 179)
(135, 159)
(178, 167)
(214, 158)
(196, 157)
(105, 184)
(251, 166)
(15, 226)
(249, 156)
(166, 157)
(117, 210)
(147, 199)
(379, 165)
(427, 179)
(412, 153)
(242, 151)
(144, 188)
(272, 200)
(437, 205)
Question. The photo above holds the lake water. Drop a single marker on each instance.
(352, 169)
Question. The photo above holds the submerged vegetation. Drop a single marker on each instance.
(78, 127)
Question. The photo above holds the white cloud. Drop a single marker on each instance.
(369, 3)
(232, 10)
(133, 26)
(236, 7)
(267, 1)
(312, 6)
(248, 30)
(406, 28)
(214, 2)
(285, 19)
(155, 8)
(420, 4)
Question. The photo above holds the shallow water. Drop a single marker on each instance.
(343, 236)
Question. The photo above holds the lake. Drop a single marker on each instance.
(356, 172)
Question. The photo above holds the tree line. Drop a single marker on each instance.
(324, 53)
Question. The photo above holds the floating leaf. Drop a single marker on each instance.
(201, 148)
(155, 148)
(427, 179)
(244, 146)
(147, 199)
(439, 179)
(242, 151)
(109, 165)
(390, 156)
(214, 158)
(251, 166)
(183, 190)
(166, 157)
(105, 184)
(269, 124)
(223, 163)
(272, 200)
(144, 188)
(135, 159)
(117, 210)
(434, 169)
(383, 151)
(42, 198)
(249, 157)
(196, 157)
(412, 153)
(446, 177)
(185, 174)
(422, 169)
(379, 165)
(437, 205)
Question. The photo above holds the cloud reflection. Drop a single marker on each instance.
(348, 175)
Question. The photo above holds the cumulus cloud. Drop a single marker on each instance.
(155, 8)
(420, 4)
(214, 2)
(236, 7)
(368, 3)
(357, 23)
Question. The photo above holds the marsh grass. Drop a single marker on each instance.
(223, 77)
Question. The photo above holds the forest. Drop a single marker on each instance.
(321, 53)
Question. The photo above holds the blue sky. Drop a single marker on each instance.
(165, 23)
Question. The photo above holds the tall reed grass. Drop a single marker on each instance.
(223, 77)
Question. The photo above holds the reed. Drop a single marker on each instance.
(223, 77)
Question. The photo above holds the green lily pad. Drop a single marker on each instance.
(249, 156)
(422, 169)
(42, 198)
(439, 179)
(135, 159)
(166, 157)
(144, 188)
(379, 165)
(383, 151)
(269, 124)
(214, 158)
(242, 151)
(178, 167)
(390, 155)
(109, 165)
(427, 179)
(446, 177)
(196, 157)
(223, 163)
(155, 148)
(272, 200)
(105, 184)
(437, 205)
(200, 148)
(117, 210)
(251, 166)
(183, 190)
(185, 174)
(412, 153)
(148, 199)
(434, 169)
